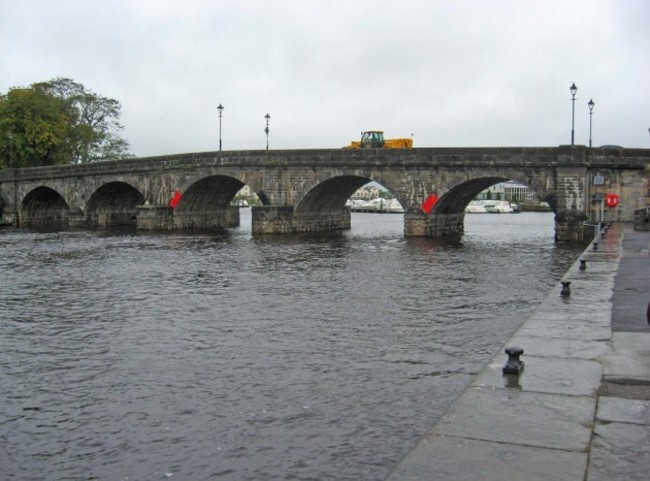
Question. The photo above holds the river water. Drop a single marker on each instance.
(140, 356)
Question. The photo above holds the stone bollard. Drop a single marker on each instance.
(566, 290)
(514, 365)
(583, 264)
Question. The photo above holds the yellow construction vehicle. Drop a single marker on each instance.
(374, 139)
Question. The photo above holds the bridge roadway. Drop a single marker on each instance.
(306, 190)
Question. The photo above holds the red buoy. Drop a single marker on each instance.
(611, 200)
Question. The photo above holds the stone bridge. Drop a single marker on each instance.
(306, 190)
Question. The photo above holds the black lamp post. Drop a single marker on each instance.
(220, 109)
(591, 112)
(573, 89)
(266, 130)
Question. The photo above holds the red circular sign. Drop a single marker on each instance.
(611, 200)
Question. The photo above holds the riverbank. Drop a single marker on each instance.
(580, 410)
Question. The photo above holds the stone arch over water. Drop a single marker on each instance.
(43, 207)
(114, 204)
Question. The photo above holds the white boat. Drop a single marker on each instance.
(376, 205)
(475, 207)
(394, 207)
(498, 207)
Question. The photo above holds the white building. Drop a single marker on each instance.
(510, 191)
(367, 192)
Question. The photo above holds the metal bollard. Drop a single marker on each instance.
(514, 365)
(583, 264)
(566, 290)
(595, 246)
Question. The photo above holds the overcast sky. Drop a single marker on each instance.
(449, 72)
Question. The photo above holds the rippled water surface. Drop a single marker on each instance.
(135, 356)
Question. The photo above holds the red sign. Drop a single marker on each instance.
(429, 203)
(175, 200)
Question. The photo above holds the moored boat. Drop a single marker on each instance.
(498, 207)
(475, 207)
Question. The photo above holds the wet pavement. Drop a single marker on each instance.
(580, 409)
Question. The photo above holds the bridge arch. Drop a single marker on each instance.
(456, 199)
(205, 204)
(43, 207)
(447, 218)
(319, 205)
(209, 193)
(330, 194)
(332, 190)
(114, 204)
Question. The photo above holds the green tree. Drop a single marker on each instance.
(385, 194)
(33, 129)
(57, 122)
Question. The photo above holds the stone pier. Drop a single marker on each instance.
(284, 220)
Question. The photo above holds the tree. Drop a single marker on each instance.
(32, 129)
(58, 122)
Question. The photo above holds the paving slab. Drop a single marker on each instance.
(624, 389)
(595, 266)
(619, 452)
(560, 347)
(592, 310)
(577, 377)
(629, 358)
(518, 417)
(444, 458)
(592, 289)
(633, 411)
(565, 329)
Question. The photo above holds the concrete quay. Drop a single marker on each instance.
(580, 409)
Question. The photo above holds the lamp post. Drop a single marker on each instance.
(591, 112)
(267, 117)
(573, 89)
(220, 109)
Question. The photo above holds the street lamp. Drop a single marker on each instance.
(220, 109)
(591, 112)
(266, 130)
(573, 89)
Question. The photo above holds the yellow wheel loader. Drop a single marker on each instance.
(374, 139)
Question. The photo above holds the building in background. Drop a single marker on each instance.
(368, 192)
(510, 191)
